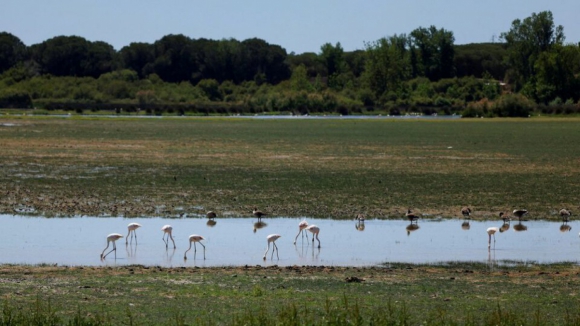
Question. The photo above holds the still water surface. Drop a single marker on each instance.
(235, 241)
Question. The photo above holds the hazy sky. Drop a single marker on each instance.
(296, 25)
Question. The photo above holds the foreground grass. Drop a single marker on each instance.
(322, 168)
(471, 294)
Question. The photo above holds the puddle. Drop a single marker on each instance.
(240, 241)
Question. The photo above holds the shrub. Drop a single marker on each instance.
(513, 105)
(15, 98)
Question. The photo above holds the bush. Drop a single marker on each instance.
(15, 98)
(513, 105)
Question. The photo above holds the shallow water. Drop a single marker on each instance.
(232, 241)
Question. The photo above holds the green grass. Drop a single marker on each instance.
(398, 295)
(322, 168)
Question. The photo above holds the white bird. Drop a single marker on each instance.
(132, 227)
(111, 238)
(272, 239)
(491, 231)
(167, 230)
(315, 230)
(301, 226)
(193, 239)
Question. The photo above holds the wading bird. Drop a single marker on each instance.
(491, 232)
(360, 217)
(111, 238)
(167, 230)
(519, 213)
(411, 216)
(132, 227)
(193, 239)
(315, 231)
(211, 215)
(504, 217)
(466, 211)
(258, 213)
(272, 239)
(301, 226)
(565, 214)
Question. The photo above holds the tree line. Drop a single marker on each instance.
(423, 71)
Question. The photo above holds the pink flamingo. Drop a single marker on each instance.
(111, 238)
(167, 230)
(315, 230)
(301, 226)
(491, 232)
(272, 239)
(132, 227)
(193, 239)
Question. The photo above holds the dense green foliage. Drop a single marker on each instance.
(422, 72)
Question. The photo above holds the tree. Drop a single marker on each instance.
(434, 52)
(74, 56)
(137, 56)
(526, 40)
(12, 51)
(387, 64)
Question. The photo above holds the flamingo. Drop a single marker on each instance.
(272, 239)
(315, 230)
(565, 214)
(519, 213)
(111, 238)
(258, 213)
(301, 226)
(466, 211)
(411, 216)
(167, 229)
(360, 217)
(491, 231)
(132, 227)
(193, 239)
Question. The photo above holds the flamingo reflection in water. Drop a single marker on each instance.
(465, 225)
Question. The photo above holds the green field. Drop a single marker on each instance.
(321, 168)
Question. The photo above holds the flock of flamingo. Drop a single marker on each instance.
(303, 226)
(196, 238)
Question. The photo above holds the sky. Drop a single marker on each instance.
(296, 25)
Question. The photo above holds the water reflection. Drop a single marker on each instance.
(565, 227)
(259, 225)
(505, 226)
(412, 227)
(520, 227)
(465, 225)
(211, 223)
(234, 243)
(360, 225)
